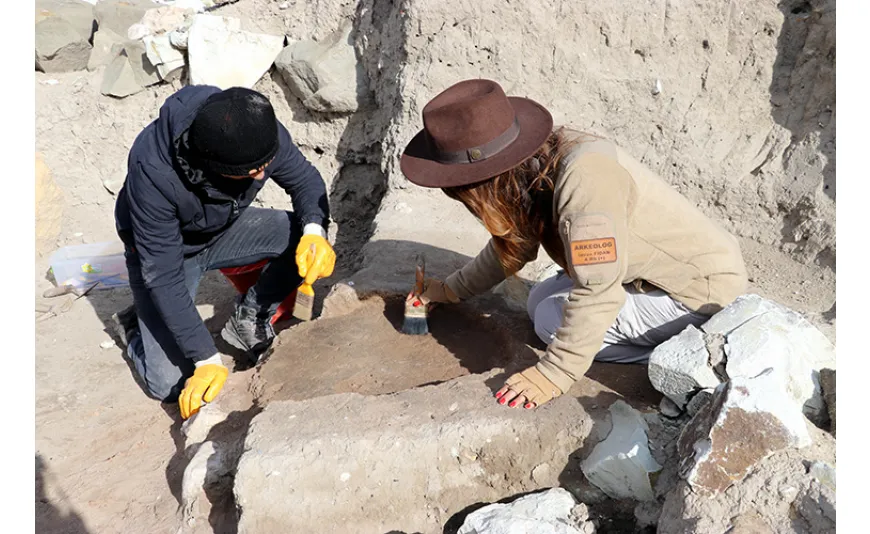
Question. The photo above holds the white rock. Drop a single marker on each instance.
(195, 5)
(221, 54)
(548, 512)
(161, 20)
(759, 334)
(168, 59)
(794, 348)
(107, 344)
(178, 39)
(620, 465)
(747, 420)
(138, 31)
(744, 308)
(680, 366)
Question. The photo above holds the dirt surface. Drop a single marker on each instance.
(365, 352)
(109, 459)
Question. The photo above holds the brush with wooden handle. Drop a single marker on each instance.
(416, 320)
(303, 308)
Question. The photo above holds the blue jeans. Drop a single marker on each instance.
(256, 235)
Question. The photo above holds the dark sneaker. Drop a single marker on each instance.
(248, 332)
(125, 323)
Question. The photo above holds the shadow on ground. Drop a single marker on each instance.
(49, 517)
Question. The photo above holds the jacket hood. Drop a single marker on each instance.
(176, 116)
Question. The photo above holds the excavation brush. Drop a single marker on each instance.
(416, 323)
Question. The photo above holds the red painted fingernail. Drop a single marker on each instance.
(502, 400)
(513, 404)
(498, 394)
(528, 405)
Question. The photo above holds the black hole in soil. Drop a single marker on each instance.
(803, 8)
(706, 44)
(318, 151)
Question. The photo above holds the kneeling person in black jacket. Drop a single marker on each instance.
(184, 209)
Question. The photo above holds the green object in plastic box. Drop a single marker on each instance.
(82, 265)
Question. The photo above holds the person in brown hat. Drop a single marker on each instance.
(639, 262)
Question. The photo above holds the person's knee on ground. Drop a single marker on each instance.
(155, 373)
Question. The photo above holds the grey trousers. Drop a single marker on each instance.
(645, 320)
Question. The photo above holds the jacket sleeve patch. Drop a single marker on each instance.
(593, 251)
(592, 246)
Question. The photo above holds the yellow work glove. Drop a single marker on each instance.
(529, 387)
(435, 290)
(318, 264)
(204, 385)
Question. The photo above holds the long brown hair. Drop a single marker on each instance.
(516, 206)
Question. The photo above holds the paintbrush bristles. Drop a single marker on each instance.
(416, 323)
(304, 306)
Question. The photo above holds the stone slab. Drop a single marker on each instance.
(406, 461)
(747, 420)
(221, 54)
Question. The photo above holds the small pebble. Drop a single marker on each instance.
(107, 344)
(454, 406)
(345, 477)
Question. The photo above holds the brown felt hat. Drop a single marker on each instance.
(471, 132)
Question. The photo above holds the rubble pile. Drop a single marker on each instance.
(141, 43)
(738, 446)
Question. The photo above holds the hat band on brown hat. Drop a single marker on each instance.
(480, 152)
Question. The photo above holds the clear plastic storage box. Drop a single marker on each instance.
(83, 265)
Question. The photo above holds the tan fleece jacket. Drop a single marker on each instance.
(619, 223)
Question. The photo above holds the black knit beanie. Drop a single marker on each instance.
(234, 132)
